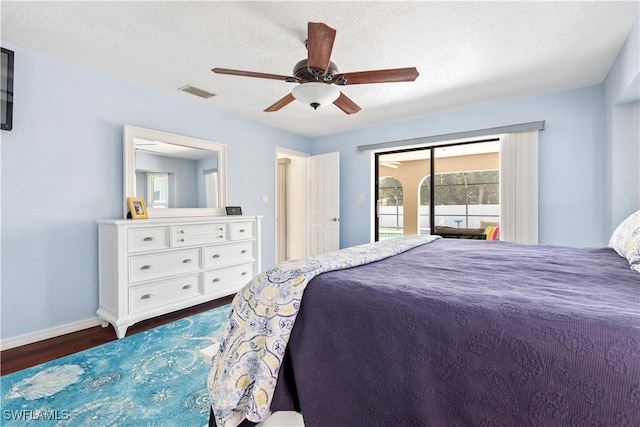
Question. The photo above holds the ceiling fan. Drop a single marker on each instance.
(316, 75)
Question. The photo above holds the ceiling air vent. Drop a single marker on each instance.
(197, 91)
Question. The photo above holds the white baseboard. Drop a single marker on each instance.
(48, 333)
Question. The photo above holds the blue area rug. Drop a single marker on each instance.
(153, 378)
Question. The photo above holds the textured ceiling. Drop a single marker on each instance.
(467, 53)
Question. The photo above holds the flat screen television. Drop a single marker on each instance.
(7, 89)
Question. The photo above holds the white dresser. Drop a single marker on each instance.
(154, 266)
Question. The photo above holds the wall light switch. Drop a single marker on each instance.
(265, 198)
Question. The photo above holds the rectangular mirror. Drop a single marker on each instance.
(175, 175)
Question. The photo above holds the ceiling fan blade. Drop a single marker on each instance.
(377, 76)
(254, 74)
(280, 103)
(319, 46)
(346, 104)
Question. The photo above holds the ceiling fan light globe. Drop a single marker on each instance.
(315, 94)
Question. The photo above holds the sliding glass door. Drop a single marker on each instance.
(463, 191)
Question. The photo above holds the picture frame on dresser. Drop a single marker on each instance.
(137, 208)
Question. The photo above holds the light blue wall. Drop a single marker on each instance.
(62, 170)
(571, 166)
(622, 134)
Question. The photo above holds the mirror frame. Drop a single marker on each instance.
(129, 170)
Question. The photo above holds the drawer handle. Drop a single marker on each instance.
(242, 230)
(146, 267)
(182, 240)
(220, 229)
(146, 296)
(148, 239)
(244, 273)
(221, 237)
(244, 251)
(186, 261)
(186, 287)
(181, 231)
(215, 256)
(217, 279)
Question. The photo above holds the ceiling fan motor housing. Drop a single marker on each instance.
(305, 75)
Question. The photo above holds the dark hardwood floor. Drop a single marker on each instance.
(15, 359)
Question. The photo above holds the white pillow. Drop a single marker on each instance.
(626, 240)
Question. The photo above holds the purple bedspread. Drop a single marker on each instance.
(469, 333)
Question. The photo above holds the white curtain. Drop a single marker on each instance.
(519, 187)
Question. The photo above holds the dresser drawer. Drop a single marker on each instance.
(228, 277)
(240, 230)
(234, 253)
(146, 267)
(143, 297)
(148, 239)
(199, 234)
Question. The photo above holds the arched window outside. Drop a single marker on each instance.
(424, 196)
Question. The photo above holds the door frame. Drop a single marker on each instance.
(286, 152)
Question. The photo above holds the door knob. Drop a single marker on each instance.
(334, 219)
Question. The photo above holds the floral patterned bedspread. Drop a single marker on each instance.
(245, 369)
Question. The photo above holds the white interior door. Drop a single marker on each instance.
(323, 203)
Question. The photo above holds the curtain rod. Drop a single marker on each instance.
(434, 139)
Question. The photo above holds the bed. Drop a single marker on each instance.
(456, 333)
